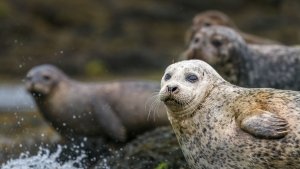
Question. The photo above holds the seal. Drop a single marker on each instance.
(275, 66)
(223, 126)
(212, 17)
(113, 110)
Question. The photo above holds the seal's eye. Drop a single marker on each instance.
(216, 42)
(207, 24)
(196, 40)
(167, 77)
(46, 77)
(191, 78)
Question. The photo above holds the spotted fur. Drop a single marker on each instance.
(211, 134)
(274, 66)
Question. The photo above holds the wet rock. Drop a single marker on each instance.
(24, 132)
(157, 149)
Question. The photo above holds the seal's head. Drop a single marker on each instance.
(208, 19)
(42, 80)
(185, 85)
(214, 45)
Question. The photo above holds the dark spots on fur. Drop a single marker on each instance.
(213, 139)
(204, 130)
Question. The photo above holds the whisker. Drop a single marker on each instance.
(151, 99)
(153, 105)
(156, 107)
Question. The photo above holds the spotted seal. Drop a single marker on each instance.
(213, 17)
(223, 126)
(275, 66)
(114, 110)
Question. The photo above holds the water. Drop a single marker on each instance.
(14, 98)
(20, 123)
(44, 160)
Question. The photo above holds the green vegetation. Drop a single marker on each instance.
(162, 165)
(95, 68)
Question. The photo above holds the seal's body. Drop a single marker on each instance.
(274, 66)
(222, 126)
(115, 110)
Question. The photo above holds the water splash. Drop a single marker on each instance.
(102, 164)
(44, 160)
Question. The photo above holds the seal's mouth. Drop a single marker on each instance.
(36, 90)
(37, 94)
(172, 101)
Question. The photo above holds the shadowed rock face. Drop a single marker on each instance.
(158, 148)
(211, 18)
(271, 66)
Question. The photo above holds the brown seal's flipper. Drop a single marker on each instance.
(263, 124)
(109, 121)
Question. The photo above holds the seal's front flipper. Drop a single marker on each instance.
(264, 124)
(109, 121)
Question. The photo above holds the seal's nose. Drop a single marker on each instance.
(29, 83)
(173, 89)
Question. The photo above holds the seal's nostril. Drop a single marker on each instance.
(172, 89)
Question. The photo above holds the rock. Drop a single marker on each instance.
(157, 149)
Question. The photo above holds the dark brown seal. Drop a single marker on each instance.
(210, 18)
(274, 66)
(222, 126)
(116, 110)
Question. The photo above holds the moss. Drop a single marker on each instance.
(95, 68)
(162, 165)
(4, 9)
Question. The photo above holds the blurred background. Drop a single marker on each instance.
(96, 38)
(108, 39)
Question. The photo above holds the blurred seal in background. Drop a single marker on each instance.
(115, 110)
(274, 66)
(212, 17)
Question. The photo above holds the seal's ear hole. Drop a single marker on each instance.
(167, 76)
